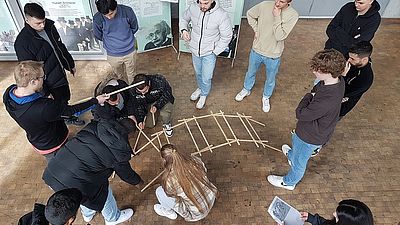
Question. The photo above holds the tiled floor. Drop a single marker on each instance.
(359, 162)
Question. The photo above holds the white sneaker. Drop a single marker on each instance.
(202, 101)
(315, 152)
(168, 130)
(277, 181)
(161, 211)
(266, 105)
(88, 219)
(242, 94)
(285, 151)
(195, 95)
(126, 214)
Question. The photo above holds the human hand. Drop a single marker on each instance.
(276, 11)
(141, 125)
(304, 216)
(133, 118)
(346, 68)
(153, 109)
(73, 71)
(186, 36)
(102, 98)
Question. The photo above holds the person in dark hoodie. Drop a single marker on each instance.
(39, 116)
(356, 21)
(40, 41)
(61, 209)
(87, 161)
(317, 115)
(119, 107)
(153, 96)
(359, 78)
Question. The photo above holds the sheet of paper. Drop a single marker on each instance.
(282, 212)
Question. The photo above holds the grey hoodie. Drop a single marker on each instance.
(211, 31)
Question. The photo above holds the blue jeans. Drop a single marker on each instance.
(204, 69)
(298, 156)
(110, 210)
(271, 69)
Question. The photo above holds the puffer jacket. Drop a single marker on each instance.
(211, 30)
(29, 45)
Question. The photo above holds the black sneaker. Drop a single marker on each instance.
(74, 121)
(168, 130)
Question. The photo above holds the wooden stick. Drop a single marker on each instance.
(148, 139)
(219, 125)
(144, 146)
(202, 134)
(213, 147)
(269, 146)
(255, 121)
(166, 136)
(152, 181)
(191, 135)
(136, 142)
(251, 126)
(197, 117)
(230, 128)
(154, 119)
(248, 131)
(112, 93)
(159, 141)
(216, 114)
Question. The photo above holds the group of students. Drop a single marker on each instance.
(38, 102)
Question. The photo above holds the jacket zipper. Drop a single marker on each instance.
(201, 32)
(55, 41)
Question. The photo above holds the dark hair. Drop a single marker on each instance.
(104, 6)
(62, 206)
(362, 49)
(108, 89)
(352, 212)
(329, 61)
(141, 77)
(34, 10)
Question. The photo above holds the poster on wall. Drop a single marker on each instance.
(154, 18)
(74, 22)
(234, 9)
(8, 30)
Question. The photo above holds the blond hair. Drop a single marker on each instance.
(26, 71)
(189, 174)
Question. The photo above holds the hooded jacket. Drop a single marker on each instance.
(29, 45)
(88, 160)
(347, 27)
(41, 118)
(36, 217)
(211, 30)
(159, 94)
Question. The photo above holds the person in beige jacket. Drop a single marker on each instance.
(272, 23)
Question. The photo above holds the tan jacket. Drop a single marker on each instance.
(270, 31)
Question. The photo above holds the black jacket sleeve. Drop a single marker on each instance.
(315, 219)
(166, 92)
(126, 173)
(55, 110)
(336, 32)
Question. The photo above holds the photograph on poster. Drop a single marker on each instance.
(8, 30)
(160, 36)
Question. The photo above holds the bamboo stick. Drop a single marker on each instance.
(230, 128)
(202, 134)
(251, 126)
(214, 147)
(191, 135)
(197, 117)
(154, 119)
(248, 131)
(255, 121)
(166, 136)
(136, 142)
(159, 141)
(269, 146)
(144, 146)
(219, 125)
(152, 181)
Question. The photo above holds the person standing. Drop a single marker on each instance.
(356, 21)
(359, 78)
(115, 25)
(317, 115)
(210, 35)
(39, 116)
(40, 41)
(271, 22)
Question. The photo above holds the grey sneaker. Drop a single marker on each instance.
(169, 131)
(242, 94)
(202, 101)
(266, 106)
(161, 211)
(195, 95)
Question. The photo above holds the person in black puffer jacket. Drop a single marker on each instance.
(356, 21)
(40, 41)
(87, 161)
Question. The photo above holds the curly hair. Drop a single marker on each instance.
(329, 61)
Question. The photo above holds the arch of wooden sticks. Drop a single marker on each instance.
(245, 119)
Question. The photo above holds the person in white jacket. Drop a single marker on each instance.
(210, 34)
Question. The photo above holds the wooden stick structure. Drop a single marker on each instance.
(136, 142)
(166, 136)
(152, 181)
(248, 131)
(191, 135)
(112, 93)
(202, 134)
(159, 141)
(219, 125)
(251, 126)
(144, 146)
(230, 128)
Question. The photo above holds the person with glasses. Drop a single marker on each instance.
(356, 21)
(41, 117)
(39, 40)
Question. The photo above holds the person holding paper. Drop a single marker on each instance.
(271, 22)
(185, 188)
(210, 35)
